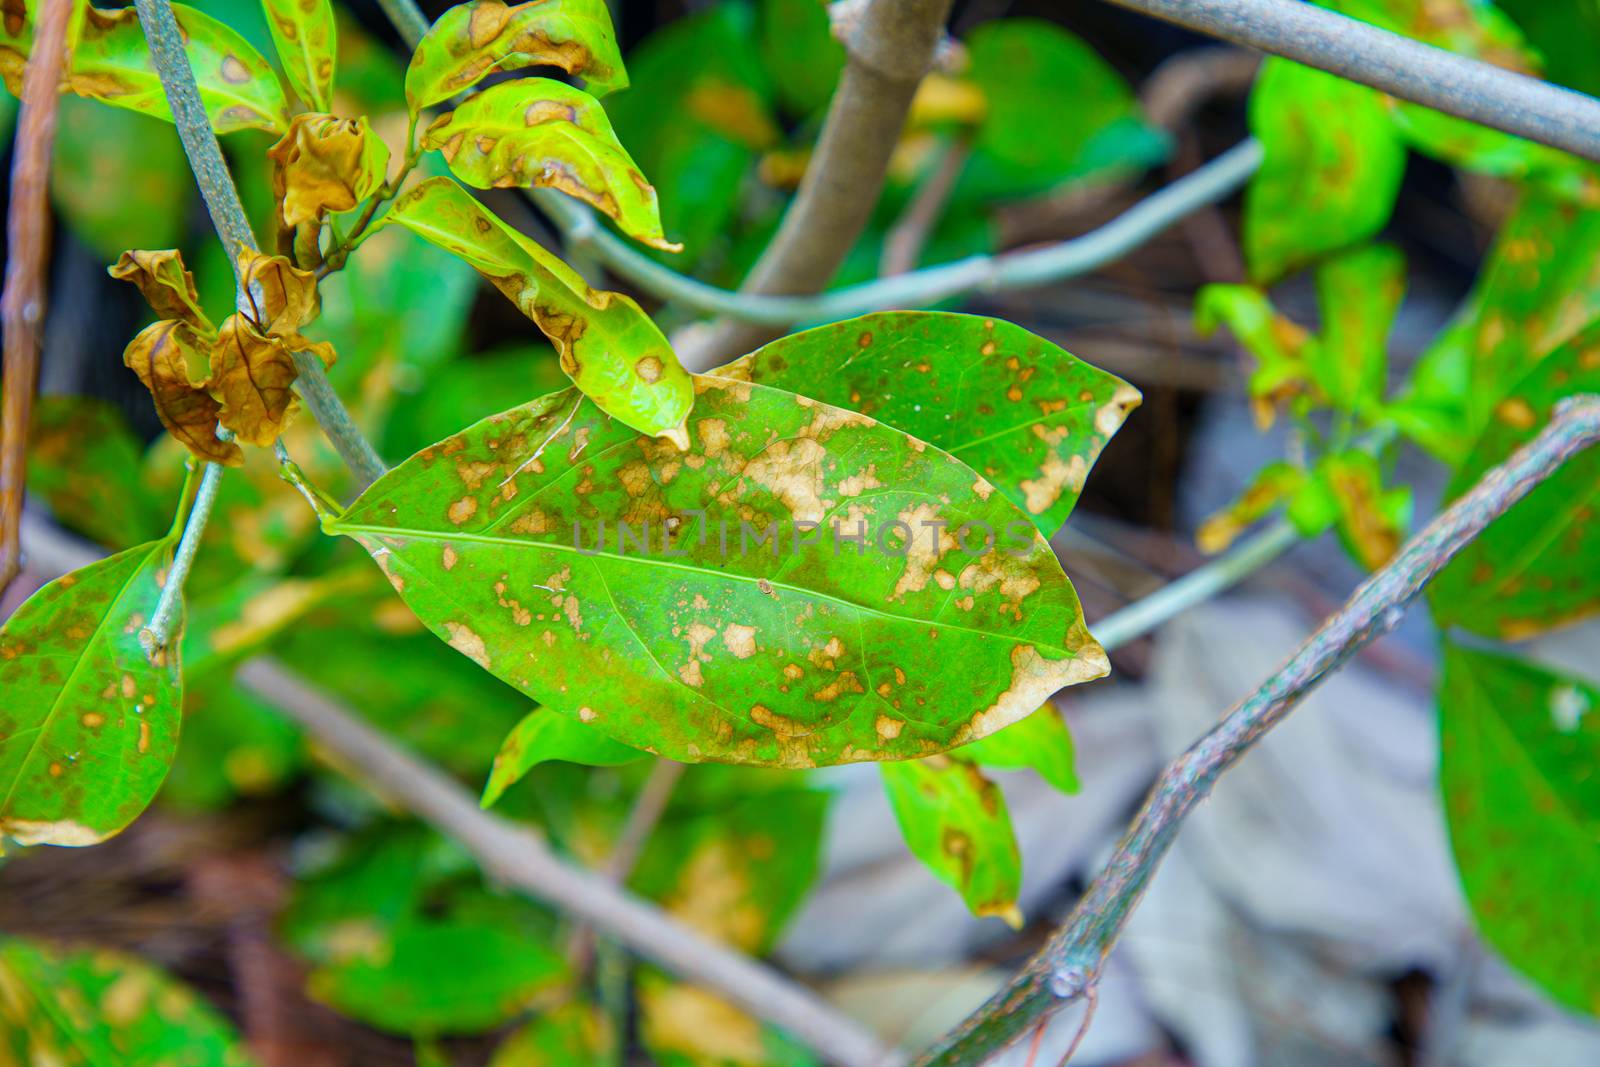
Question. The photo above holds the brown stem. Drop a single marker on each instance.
(889, 48)
(1068, 968)
(27, 256)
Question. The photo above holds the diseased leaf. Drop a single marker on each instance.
(608, 346)
(1518, 749)
(282, 297)
(683, 1025)
(161, 356)
(1280, 346)
(307, 40)
(82, 457)
(166, 284)
(473, 40)
(112, 63)
(1359, 293)
(1372, 521)
(93, 1007)
(1041, 742)
(253, 372)
(119, 178)
(577, 1032)
(89, 724)
(955, 821)
(1331, 171)
(325, 164)
(535, 132)
(1272, 485)
(544, 735)
(1025, 413)
(951, 621)
(1534, 568)
(17, 20)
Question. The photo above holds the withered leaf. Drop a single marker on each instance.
(252, 372)
(160, 355)
(325, 164)
(283, 297)
(165, 283)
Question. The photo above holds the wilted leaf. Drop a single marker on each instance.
(951, 621)
(161, 356)
(535, 132)
(1025, 413)
(1372, 521)
(282, 297)
(577, 1032)
(325, 164)
(1041, 742)
(1331, 171)
(89, 724)
(1280, 346)
(1534, 568)
(544, 735)
(92, 1007)
(166, 284)
(1359, 293)
(1272, 485)
(84, 463)
(112, 63)
(955, 820)
(1518, 748)
(307, 40)
(608, 346)
(252, 373)
(473, 40)
(119, 178)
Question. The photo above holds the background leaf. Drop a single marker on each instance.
(544, 735)
(84, 462)
(1359, 294)
(119, 179)
(1040, 742)
(307, 40)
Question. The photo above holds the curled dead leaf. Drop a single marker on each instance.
(165, 283)
(283, 298)
(325, 164)
(252, 373)
(161, 355)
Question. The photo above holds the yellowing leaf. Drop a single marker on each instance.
(1372, 521)
(112, 63)
(325, 164)
(608, 346)
(161, 356)
(252, 373)
(1359, 293)
(1278, 344)
(538, 132)
(166, 285)
(473, 40)
(282, 297)
(306, 36)
(1272, 485)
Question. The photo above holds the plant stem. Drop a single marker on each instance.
(1069, 966)
(22, 306)
(227, 215)
(158, 633)
(1410, 70)
(1196, 587)
(407, 19)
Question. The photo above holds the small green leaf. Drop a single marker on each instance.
(535, 132)
(1281, 347)
(949, 619)
(473, 40)
(544, 735)
(93, 1007)
(608, 346)
(1518, 749)
(307, 39)
(81, 455)
(1041, 742)
(955, 821)
(1025, 413)
(237, 86)
(574, 1033)
(1372, 520)
(1331, 171)
(89, 723)
(1534, 568)
(1359, 293)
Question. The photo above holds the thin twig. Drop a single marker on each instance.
(156, 634)
(1423, 74)
(1068, 967)
(233, 227)
(27, 257)
(889, 46)
(903, 244)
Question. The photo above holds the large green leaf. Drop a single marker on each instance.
(955, 820)
(473, 40)
(539, 132)
(89, 724)
(1331, 171)
(545, 735)
(1534, 567)
(237, 86)
(608, 346)
(95, 1007)
(1027, 414)
(1518, 749)
(1040, 742)
(722, 646)
(82, 456)
(307, 39)
(119, 179)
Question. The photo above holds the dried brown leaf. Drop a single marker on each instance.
(325, 164)
(165, 283)
(160, 355)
